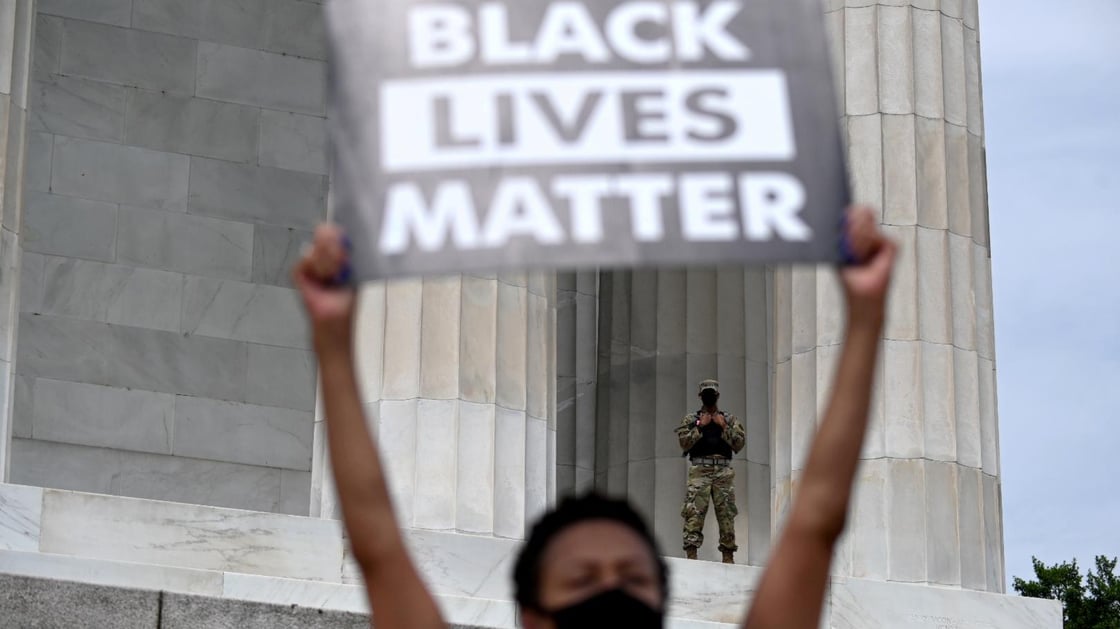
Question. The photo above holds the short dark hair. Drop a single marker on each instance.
(571, 511)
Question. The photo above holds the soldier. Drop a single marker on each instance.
(709, 437)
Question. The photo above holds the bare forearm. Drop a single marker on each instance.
(791, 593)
(397, 595)
(359, 478)
(826, 484)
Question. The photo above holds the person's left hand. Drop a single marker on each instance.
(720, 421)
(866, 282)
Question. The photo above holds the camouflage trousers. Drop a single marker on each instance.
(715, 484)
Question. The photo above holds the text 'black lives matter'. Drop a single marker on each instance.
(535, 134)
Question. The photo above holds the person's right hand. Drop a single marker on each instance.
(330, 306)
(705, 419)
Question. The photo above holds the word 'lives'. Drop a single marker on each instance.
(488, 134)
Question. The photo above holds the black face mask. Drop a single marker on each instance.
(613, 608)
(709, 398)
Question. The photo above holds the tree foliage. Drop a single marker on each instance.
(1092, 602)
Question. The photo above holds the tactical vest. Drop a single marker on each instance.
(711, 441)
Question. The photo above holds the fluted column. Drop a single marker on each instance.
(928, 506)
(576, 370)
(458, 379)
(661, 332)
(16, 19)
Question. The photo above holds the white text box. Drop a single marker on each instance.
(484, 121)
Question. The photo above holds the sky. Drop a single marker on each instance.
(1051, 80)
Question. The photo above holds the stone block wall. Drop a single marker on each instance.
(176, 162)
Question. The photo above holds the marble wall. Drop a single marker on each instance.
(176, 161)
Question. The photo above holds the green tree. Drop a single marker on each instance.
(1092, 602)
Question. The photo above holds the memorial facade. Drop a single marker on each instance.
(164, 162)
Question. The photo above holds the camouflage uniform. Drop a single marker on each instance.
(714, 483)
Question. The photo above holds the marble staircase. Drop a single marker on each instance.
(280, 561)
(256, 565)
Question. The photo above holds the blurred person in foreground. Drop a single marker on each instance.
(592, 561)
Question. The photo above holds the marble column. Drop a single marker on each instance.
(928, 506)
(16, 18)
(577, 313)
(459, 382)
(661, 332)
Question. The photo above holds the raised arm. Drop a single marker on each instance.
(398, 597)
(791, 592)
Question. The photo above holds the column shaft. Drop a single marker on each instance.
(15, 65)
(458, 377)
(927, 507)
(576, 364)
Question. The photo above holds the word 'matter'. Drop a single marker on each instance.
(721, 208)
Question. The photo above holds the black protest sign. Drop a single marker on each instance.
(479, 135)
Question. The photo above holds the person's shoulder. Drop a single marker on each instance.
(731, 417)
(690, 417)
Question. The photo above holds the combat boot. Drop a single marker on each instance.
(690, 553)
(728, 556)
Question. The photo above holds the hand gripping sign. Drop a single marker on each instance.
(476, 135)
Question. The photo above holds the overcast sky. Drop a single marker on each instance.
(1051, 73)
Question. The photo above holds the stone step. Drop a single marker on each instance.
(263, 594)
(278, 561)
(44, 590)
(281, 559)
(55, 604)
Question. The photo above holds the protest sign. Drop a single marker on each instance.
(481, 135)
